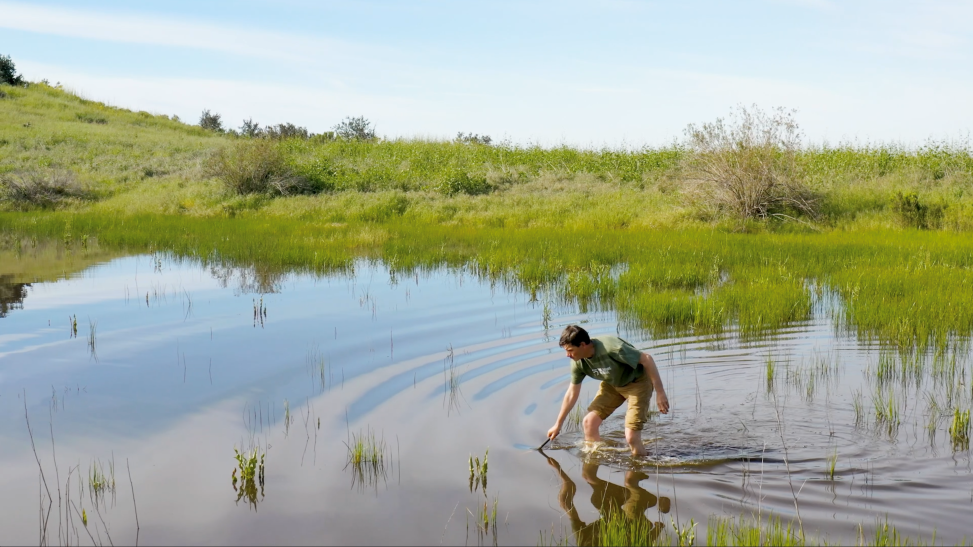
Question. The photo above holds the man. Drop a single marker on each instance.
(625, 374)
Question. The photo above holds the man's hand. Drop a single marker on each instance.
(662, 401)
(553, 432)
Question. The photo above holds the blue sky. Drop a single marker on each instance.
(607, 73)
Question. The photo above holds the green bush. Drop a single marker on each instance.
(915, 214)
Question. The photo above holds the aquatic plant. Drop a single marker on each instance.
(832, 463)
(287, 417)
(92, 339)
(478, 472)
(726, 531)
(451, 390)
(251, 467)
(100, 481)
(959, 430)
(858, 405)
(615, 528)
(886, 409)
(575, 418)
(367, 458)
(771, 373)
(686, 534)
(317, 365)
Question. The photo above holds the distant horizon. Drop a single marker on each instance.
(625, 74)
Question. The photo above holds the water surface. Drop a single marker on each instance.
(174, 365)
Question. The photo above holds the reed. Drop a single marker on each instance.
(886, 406)
(251, 465)
(959, 430)
(725, 531)
(478, 472)
(92, 339)
(451, 383)
(368, 458)
(100, 480)
(615, 528)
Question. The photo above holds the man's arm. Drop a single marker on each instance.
(570, 398)
(661, 400)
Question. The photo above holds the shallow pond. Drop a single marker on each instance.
(151, 371)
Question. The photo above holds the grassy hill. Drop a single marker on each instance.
(125, 162)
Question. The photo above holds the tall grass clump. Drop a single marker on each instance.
(959, 430)
(725, 532)
(251, 467)
(478, 472)
(367, 458)
(747, 166)
(100, 480)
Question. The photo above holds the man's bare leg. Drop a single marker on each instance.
(591, 423)
(634, 439)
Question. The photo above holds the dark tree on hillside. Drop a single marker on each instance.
(8, 72)
(211, 121)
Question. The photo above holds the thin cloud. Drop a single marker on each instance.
(163, 31)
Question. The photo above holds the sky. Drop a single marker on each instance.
(608, 73)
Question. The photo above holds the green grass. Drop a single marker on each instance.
(959, 430)
(832, 463)
(725, 531)
(101, 481)
(251, 467)
(368, 458)
(478, 472)
(886, 405)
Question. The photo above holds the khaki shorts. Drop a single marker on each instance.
(637, 393)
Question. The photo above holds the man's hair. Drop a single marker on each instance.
(575, 336)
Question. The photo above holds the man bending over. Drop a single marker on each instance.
(625, 374)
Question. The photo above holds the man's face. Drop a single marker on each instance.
(576, 353)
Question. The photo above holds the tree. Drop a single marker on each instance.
(355, 129)
(8, 72)
(211, 121)
(250, 128)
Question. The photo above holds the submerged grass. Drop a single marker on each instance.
(251, 465)
(959, 430)
(368, 458)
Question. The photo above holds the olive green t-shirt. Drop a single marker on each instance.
(615, 361)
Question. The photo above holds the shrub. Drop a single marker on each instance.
(358, 129)
(211, 121)
(8, 72)
(748, 166)
(912, 213)
(43, 189)
(256, 166)
(459, 181)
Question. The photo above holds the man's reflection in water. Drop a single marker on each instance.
(631, 499)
